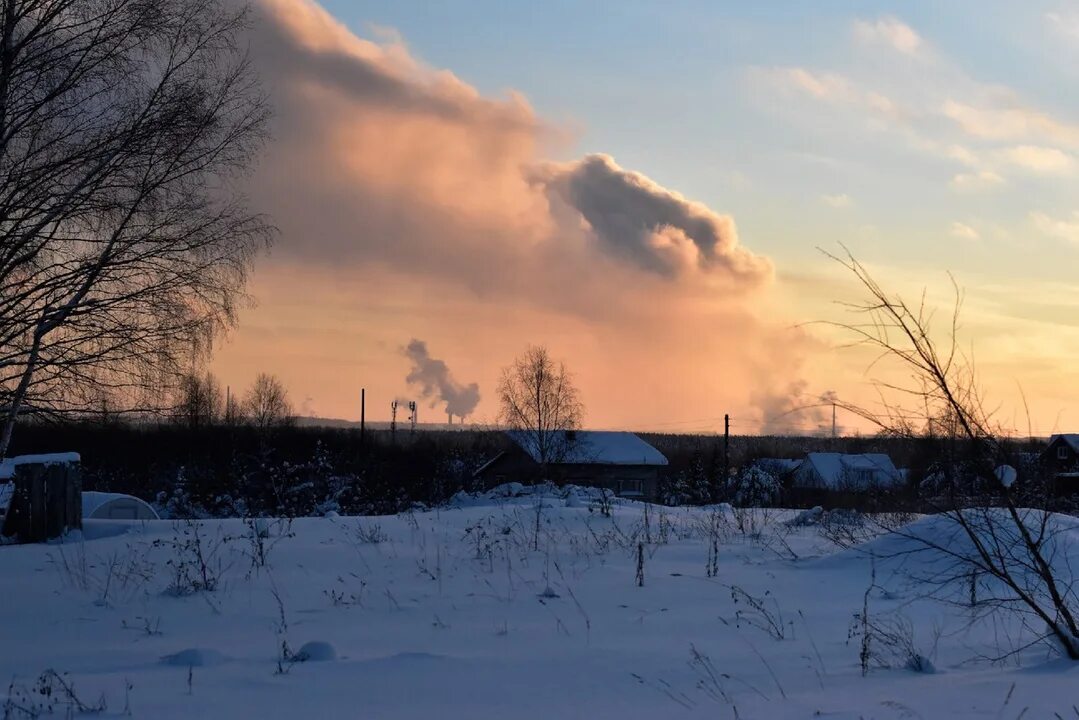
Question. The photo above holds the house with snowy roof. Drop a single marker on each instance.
(619, 461)
(839, 472)
(1061, 459)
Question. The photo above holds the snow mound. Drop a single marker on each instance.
(934, 547)
(315, 651)
(1006, 474)
(102, 529)
(812, 516)
(510, 489)
(945, 531)
(194, 657)
(921, 664)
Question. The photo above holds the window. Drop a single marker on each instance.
(630, 487)
(1062, 452)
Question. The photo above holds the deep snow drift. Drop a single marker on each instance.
(499, 607)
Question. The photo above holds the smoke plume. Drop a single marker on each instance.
(436, 383)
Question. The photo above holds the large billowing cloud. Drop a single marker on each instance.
(425, 209)
(650, 226)
(378, 158)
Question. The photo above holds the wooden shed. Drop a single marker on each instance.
(44, 496)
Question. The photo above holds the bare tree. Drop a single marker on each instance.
(541, 404)
(1001, 546)
(233, 412)
(201, 401)
(266, 403)
(123, 243)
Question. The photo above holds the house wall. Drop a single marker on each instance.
(805, 488)
(862, 500)
(1059, 458)
(626, 480)
(805, 477)
(511, 466)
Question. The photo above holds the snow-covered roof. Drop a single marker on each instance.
(838, 470)
(7, 466)
(594, 447)
(479, 471)
(777, 465)
(1072, 439)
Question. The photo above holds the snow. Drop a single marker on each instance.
(315, 651)
(522, 607)
(1006, 474)
(194, 657)
(8, 465)
(7, 491)
(597, 447)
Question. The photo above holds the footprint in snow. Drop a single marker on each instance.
(194, 657)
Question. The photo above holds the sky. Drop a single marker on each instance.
(646, 188)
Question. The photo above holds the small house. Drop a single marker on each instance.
(618, 461)
(1061, 459)
(829, 475)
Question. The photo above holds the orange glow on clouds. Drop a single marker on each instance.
(410, 206)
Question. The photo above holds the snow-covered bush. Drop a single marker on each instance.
(690, 486)
(756, 487)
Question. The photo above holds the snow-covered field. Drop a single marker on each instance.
(494, 608)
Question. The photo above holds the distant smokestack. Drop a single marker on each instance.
(437, 384)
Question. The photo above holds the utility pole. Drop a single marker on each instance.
(393, 421)
(726, 450)
(833, 421)
(363, 414)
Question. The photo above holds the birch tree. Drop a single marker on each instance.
(540, 403)
(124, 244)
(266, 403)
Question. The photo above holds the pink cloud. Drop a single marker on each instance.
(410, 205)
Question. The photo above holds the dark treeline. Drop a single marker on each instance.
(220, 470)
(286, 470)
